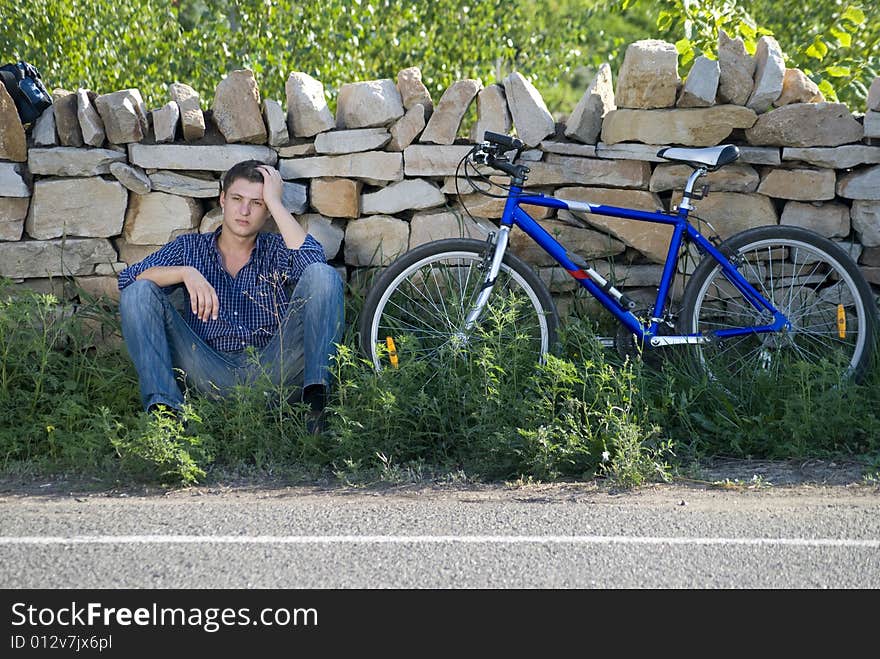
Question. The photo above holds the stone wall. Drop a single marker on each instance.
(99, 181)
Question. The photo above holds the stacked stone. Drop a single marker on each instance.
(98, 182)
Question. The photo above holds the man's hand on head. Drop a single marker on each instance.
(273, 185)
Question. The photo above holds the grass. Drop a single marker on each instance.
(69, 398)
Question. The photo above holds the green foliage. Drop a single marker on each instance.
(834, 43)
(157, 448)
(495, 415)
(105, 46)
(806, 412)
(52, 371)
(557, 44)
(70, 402)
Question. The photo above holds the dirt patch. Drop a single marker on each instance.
(782, 473)
(728, 474)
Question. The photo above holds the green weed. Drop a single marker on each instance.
(69, 400)
(157, 448)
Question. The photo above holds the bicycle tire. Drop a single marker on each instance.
(809, 279)
(423, 297)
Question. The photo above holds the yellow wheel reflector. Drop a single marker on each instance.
(841, 322)
(392, 351)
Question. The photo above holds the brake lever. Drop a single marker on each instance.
(484, 151)
(480, 153)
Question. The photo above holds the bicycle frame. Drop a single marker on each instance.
(607, 295)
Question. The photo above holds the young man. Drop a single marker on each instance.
(246, 289)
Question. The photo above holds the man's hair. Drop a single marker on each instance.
(247, 169)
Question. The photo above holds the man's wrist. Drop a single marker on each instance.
(277, 209)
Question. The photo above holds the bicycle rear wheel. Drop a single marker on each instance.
(808, 278)
(418, 306)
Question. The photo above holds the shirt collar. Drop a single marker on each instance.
(215, 248)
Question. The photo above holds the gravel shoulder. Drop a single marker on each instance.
(748, 479)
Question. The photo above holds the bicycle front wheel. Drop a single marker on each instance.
(805, 276)
(418, 306)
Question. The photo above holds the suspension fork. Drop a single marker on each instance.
(490, 278)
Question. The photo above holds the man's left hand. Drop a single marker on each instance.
(273, 185)
(290, 229)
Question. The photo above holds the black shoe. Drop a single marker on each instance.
(315, 396)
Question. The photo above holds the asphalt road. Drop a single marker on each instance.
(538, 536)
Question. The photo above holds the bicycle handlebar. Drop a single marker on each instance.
(488, 151)
(503, 140)
(516, 171)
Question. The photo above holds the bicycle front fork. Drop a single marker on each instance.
(490, 278)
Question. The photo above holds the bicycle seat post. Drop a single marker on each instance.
(688, 193)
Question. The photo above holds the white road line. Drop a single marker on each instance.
(426, 539)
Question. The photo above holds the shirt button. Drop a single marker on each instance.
(234, 313)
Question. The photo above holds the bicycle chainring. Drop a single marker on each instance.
(628, 345)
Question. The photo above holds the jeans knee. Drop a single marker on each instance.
(321, 279)
(138, 297)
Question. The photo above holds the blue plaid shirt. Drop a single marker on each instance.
(254, 302)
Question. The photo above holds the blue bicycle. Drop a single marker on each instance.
(756, 302)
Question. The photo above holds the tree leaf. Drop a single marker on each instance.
(854, 15)
(817, 49)
(664, 20)
(828, 91)
(843, 37)
(838, 71)
(684, 46)
(748, 31)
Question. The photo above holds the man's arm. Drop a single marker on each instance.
(165, 267)
(203, 298)
(165, 275)
(273, 187)
(172, 255)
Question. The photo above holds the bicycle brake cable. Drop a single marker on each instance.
(479, 176)
(488, 179)
(467, 178)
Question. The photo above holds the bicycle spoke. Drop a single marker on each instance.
(417, 304)
(804, 282)
(441, 296)
(405, 309)
(744, 359)
(440, 314)
(429, 302)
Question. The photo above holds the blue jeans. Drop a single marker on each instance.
(159, 342)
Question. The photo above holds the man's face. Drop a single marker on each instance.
(244, 211)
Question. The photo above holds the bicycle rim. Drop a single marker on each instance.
(818, 295)
(423, 311)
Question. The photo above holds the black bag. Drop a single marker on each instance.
(26, 88)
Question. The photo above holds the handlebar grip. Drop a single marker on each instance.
(503, 140)
(510, 169)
